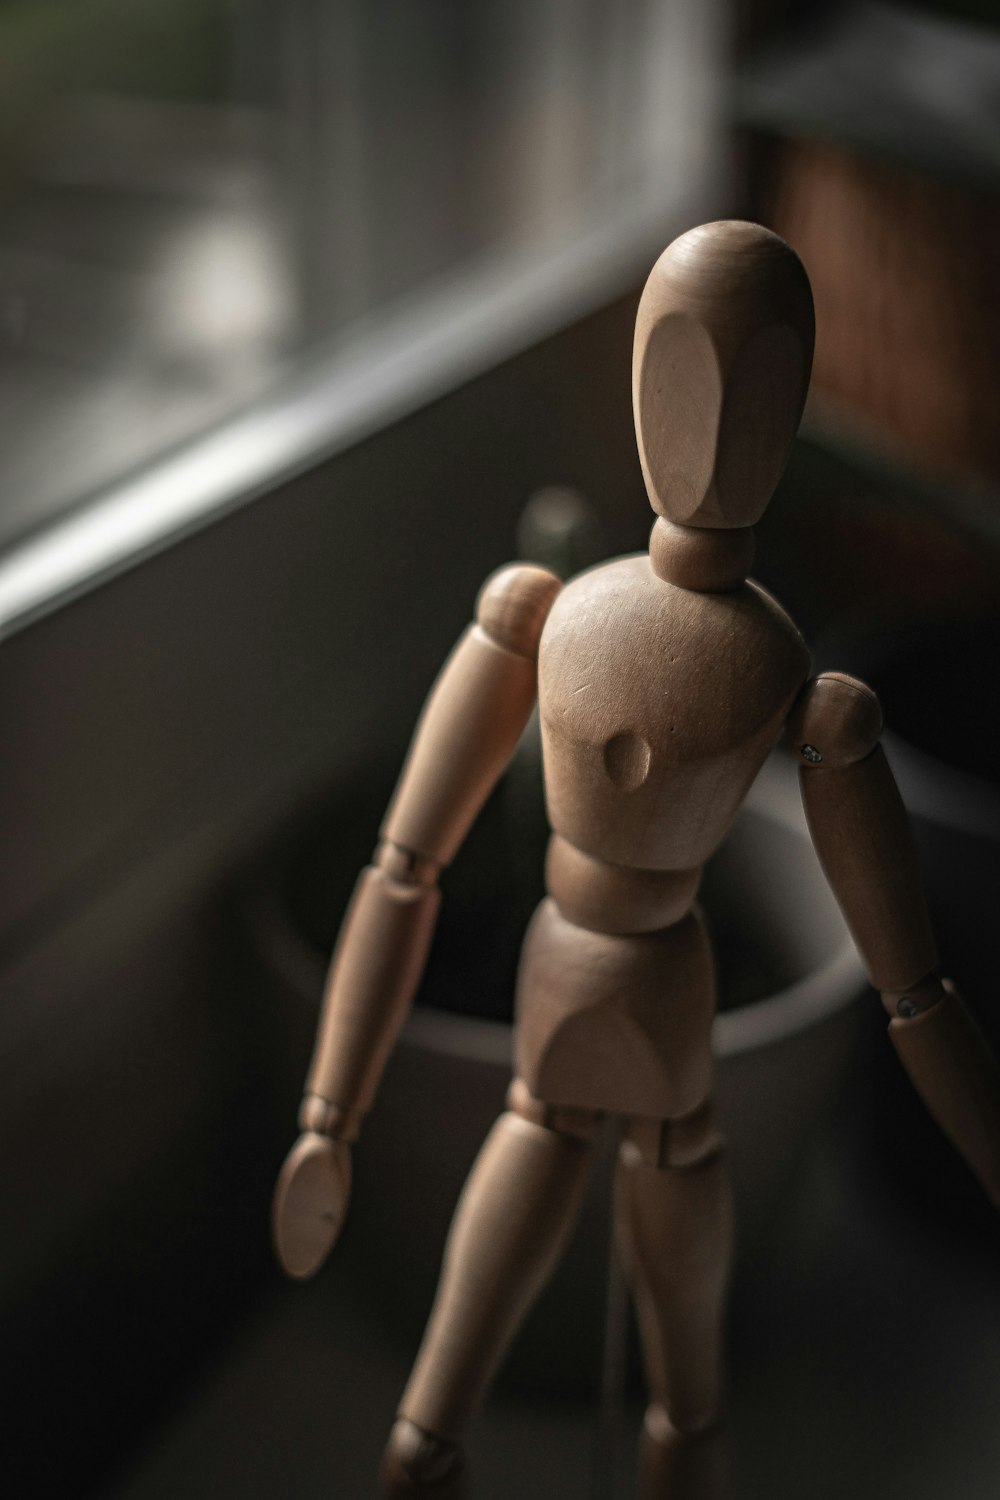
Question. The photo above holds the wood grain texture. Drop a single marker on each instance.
(473, 718)
(720, 368)
(465, 736)
(663, 682)
(513, 604)
(697, 557)
(836, 721)
(675, 1230)
(374, 973)
(658, 707)
(613, 898)
(865, 845)
(616, 1023)
(513, 1218)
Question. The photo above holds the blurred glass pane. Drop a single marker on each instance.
(193, 193)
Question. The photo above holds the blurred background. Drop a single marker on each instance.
(312, 312)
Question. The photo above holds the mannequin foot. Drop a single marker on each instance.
(677, 1465)
(416, 1463)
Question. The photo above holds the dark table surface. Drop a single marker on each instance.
(865, 1361)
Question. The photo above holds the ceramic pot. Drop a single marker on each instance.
(789, 978)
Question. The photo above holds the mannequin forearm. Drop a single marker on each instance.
(953, 1071)
(864, 839)
(864, 842)
(375, 970)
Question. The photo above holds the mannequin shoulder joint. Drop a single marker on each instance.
(513, 605)
(836, 721)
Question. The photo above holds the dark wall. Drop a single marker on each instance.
(159, 733)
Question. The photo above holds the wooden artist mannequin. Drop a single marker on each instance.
(663, 681)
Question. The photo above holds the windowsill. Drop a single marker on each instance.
(392, 367)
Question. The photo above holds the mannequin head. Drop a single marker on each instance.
(720, 370)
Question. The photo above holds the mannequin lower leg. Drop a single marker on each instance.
(674, 1220)
(510, 1226)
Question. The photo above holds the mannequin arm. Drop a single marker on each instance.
(863, 838)
(467, 732)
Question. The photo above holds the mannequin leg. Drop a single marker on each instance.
(674, 1221)
(511, 1224)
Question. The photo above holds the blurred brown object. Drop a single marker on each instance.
(904, 273)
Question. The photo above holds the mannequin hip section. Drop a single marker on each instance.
(616, 1022)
